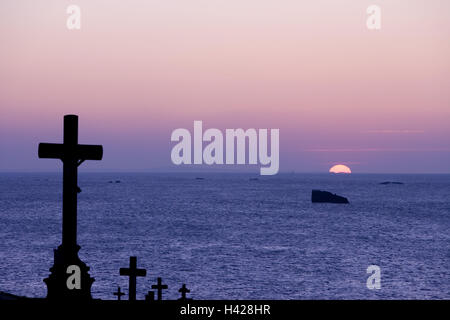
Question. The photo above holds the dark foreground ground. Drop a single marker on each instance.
(223, 309)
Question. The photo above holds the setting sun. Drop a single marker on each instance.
(340, 168)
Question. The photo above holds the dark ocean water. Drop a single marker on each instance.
(228, 237)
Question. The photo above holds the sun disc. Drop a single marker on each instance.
(340, 168)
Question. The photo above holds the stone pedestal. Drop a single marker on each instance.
(57, 287)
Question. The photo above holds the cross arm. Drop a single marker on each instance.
(89, 152)
(124, 271)
(141, 272)
(50, 150)
(82, 152)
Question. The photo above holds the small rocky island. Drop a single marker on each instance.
(391, 182)
(327, 197)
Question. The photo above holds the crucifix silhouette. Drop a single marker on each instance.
(72, 155)
(183, 290)
(159, 287)
(132, 272)
(118, 293)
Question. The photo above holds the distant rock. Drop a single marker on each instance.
(325, 196)
(391, 182)
(253, 179)
(199, 178)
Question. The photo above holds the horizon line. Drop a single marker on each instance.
(229, 172)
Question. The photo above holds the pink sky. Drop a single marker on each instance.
(378, 101)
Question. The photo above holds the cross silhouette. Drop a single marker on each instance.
(159, 287)
(183, 291)
(72, 155)
(118, 293)
(132, 272)
(150, 296)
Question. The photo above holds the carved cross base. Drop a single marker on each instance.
(69, 278)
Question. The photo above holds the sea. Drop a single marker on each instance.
(235, 235)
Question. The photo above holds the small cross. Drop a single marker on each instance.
(159, 287)
(183, 291)
(118, 293)
(132, 272)
(150, 296)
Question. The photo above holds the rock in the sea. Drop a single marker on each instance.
(391, 182)
(325, 196)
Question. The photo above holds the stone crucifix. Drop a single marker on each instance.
(72, 155)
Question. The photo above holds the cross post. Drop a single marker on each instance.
(183, 290)
(132, 272)
(150, 296)
(159, 287)
(118, 293)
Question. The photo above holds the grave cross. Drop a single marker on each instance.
(150, 296)
(183, 290)
(159, 287)
(118, 293)
(132, 272)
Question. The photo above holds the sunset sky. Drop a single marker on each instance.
(374, 100)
